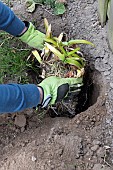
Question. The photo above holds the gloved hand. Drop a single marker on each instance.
(33, 37)
(55, 88)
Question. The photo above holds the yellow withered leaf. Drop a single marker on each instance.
(46, 50)
(60, 37)
(36, 54)
(48, 32)
(80, 72)
(46, 23)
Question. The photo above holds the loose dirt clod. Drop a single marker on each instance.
(20, 120)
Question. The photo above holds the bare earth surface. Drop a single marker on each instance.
(28, 142)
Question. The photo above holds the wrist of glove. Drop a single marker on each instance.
(32, 37)
(55, 89)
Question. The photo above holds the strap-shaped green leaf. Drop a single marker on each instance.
(56, 52)
(74, 62)
(73, 51)
(77, 41)
(50, 40)
(81, 59)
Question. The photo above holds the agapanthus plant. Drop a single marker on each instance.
(59, 57)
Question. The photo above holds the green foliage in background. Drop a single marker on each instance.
(110, 24)
(58, 7)
(105, 8)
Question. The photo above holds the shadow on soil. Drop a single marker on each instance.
(90, 91)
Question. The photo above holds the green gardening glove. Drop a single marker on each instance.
(55, 89)
(33, 37)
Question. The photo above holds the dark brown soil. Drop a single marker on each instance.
(60, 143)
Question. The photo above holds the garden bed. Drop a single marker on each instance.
(62, 143)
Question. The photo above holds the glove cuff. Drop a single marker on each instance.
(45, 99)
(30, 29)
(27, 26)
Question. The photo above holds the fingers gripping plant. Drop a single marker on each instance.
(62, 55)
(63, 59)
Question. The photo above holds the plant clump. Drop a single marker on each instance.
(61, 58)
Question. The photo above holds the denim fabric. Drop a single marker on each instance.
(9, 21)
(15, 97)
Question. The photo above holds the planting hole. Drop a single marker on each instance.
(86, 98)
(90, 91)
(79, 103)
